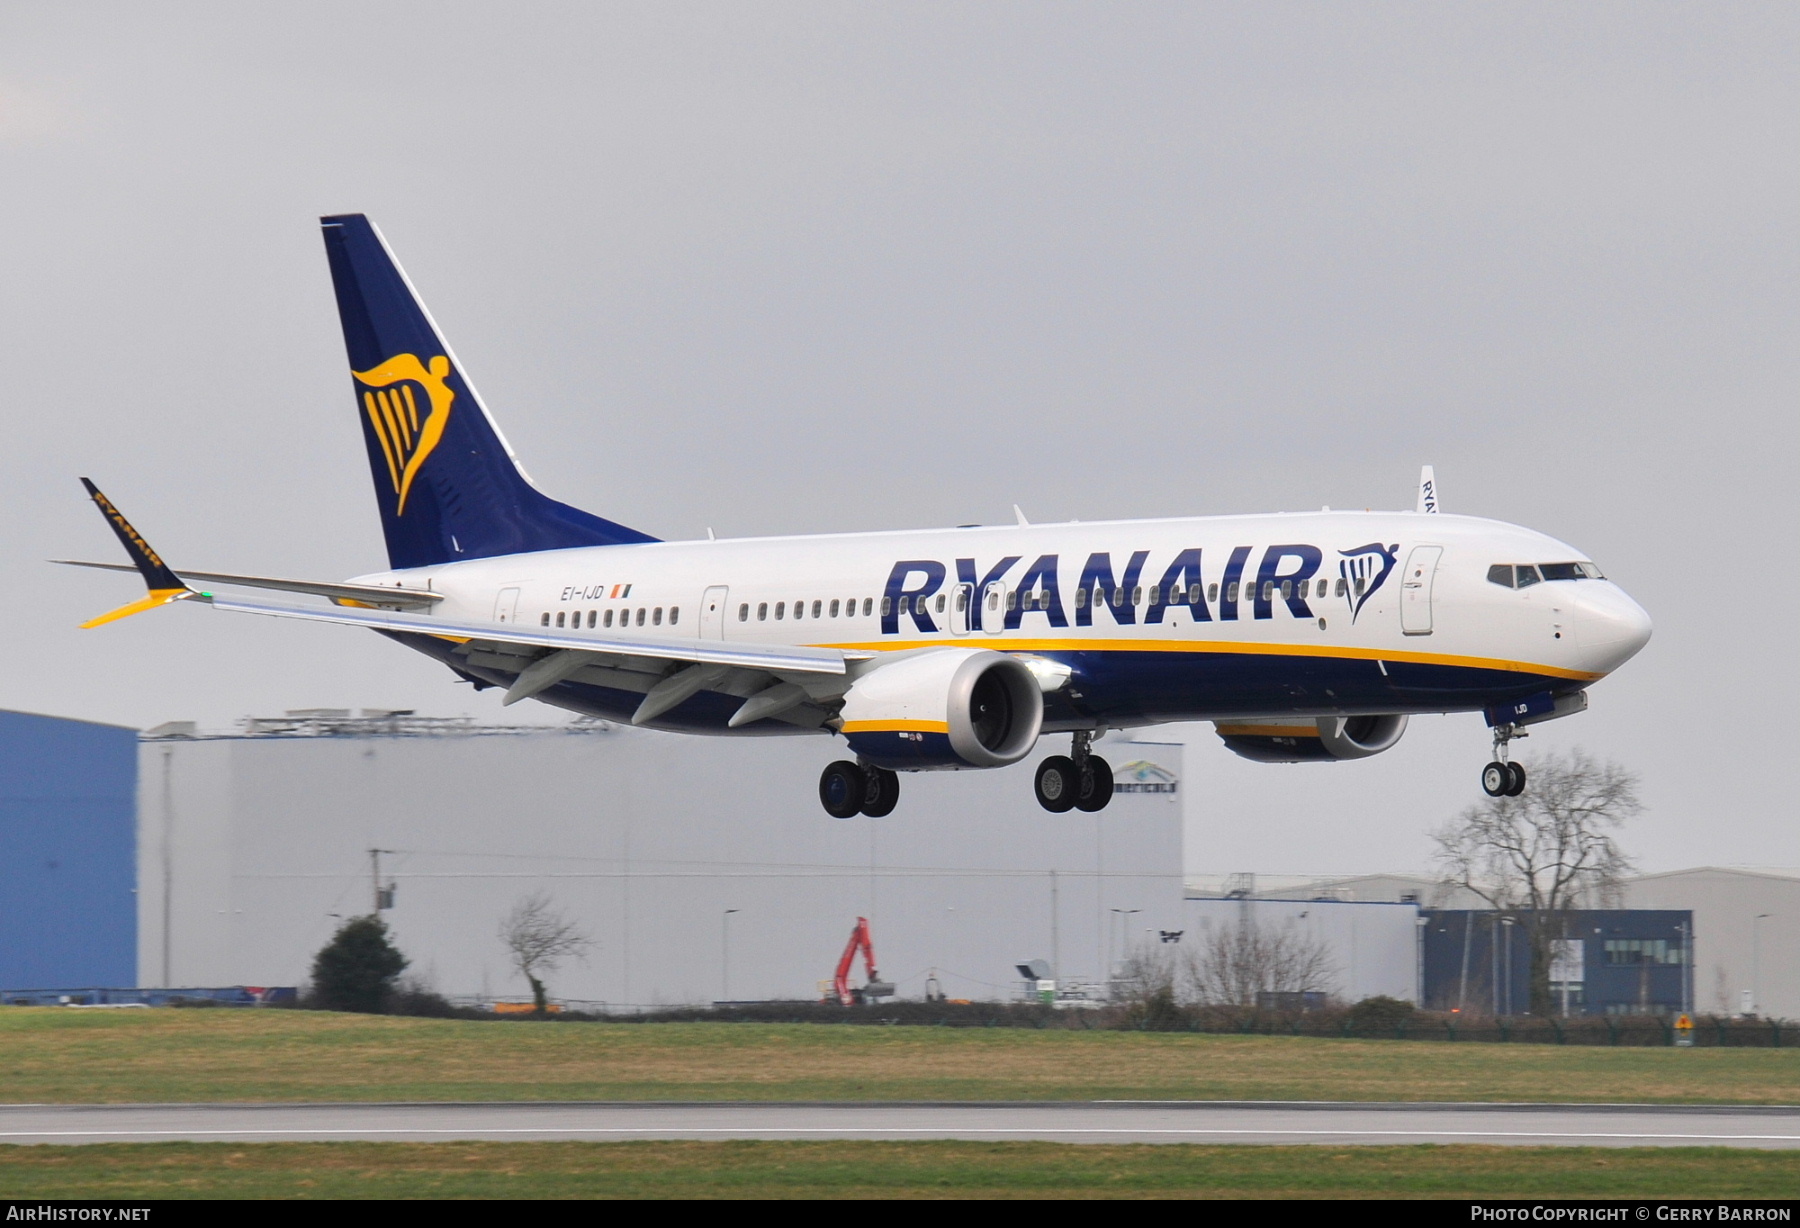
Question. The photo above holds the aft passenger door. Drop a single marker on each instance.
(1415, 589)
(712, 612)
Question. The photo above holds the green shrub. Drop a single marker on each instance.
(357, 969)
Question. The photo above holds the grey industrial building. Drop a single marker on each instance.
(701, 868)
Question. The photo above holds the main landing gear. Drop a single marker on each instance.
(1080, 780)
(1502, 777)
(848, 789)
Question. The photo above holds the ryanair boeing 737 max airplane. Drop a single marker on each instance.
(1302, 637)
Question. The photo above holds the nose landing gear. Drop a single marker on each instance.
(1080, 780)
(1502, 777)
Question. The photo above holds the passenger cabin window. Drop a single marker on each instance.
(1212, 592)
(656, 621)
(545, 620)
(1324, 587)
(559, 618)
(834, 607)
(744, 612)
(940, 603)
(640, 618)
(762, 611)
(609, 617)
(1341, 586)
(1231, 592)
(1081, 595)
(780, 610)
(868, 606)
(817, 605)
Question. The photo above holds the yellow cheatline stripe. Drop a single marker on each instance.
(1001, 643)
(896, 727)
(1268, 731)
(157, 597)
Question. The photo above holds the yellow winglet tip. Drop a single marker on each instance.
(156, 597)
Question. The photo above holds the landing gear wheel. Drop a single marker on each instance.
(1094, 787)
(1517, 784)
(882, 793)
(842, 787)
(1496, 779)
(1056, 784)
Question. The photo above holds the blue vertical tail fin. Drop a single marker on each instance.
(445, 479)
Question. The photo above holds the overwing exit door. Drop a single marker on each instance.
(712, 612)
(1415, 589)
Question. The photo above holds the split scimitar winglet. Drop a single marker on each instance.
(164, 585)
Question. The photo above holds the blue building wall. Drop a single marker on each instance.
(68, 852)
(1632, 960)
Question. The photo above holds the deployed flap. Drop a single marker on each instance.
(752, 656)
(405, 597)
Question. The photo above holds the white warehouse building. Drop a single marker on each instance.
(700, 868)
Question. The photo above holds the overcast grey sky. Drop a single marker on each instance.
(786, 268)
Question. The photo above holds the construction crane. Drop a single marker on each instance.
(840, 983)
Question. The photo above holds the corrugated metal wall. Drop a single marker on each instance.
(68, 914)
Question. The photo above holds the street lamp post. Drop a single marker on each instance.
(1506, 965)
(1756, 961)
(725, 955)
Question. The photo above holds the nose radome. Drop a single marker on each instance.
(1609, 626)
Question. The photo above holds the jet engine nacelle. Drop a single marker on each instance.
(1312, 741)
(944, 708)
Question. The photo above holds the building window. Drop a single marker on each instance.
(1643, 951)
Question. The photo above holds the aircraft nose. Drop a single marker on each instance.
(1609, 626)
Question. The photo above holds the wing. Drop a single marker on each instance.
(399, 598)
(799, 660)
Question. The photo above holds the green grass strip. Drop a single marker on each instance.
(883, 1169)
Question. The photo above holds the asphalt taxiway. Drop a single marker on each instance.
(1267, 1122)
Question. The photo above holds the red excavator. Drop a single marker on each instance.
(841, 988)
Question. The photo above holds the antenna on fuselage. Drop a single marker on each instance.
(1428, 492)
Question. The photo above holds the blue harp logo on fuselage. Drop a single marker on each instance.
(1364, 569)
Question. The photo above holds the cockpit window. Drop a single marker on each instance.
(1570, 571)
(1513, 575)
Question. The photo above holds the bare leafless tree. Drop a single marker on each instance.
(1232, 964)
(539, 938)
(1546, 851)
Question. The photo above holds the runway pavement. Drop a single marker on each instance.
(1080, 1122)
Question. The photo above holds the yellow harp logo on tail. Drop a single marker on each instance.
(407, 436)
